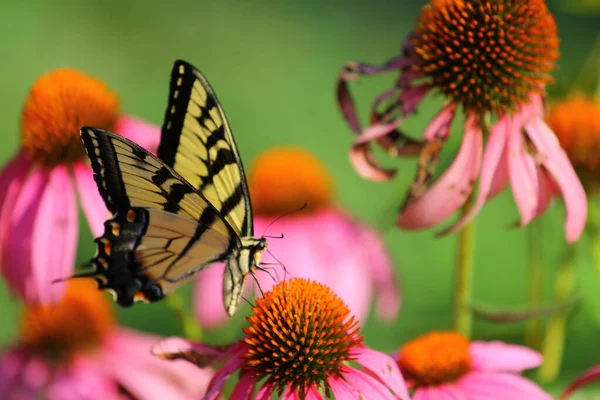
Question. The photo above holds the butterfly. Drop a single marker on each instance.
(176, 214)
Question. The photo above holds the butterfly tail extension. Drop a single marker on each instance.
(115, 267)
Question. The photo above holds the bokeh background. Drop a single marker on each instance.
(274, 65)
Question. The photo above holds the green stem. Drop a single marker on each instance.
(463, 281)
(554, 342)
(535, 283)
(191, 330)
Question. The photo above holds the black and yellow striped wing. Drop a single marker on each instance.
(197, 142)
(162, 231)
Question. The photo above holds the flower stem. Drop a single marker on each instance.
(535, 285)
(463, 280)
(191, 330)
(554, 341)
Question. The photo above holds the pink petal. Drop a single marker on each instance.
(502, 357)
(54, 238)
(341, 389)
(442, 392)
(12, 178)
(208, 293)
(555, 160)
(222, 374)
(265, 392)
(137, 130)
(91, 201)
(22, 375)
(452, 189)
(175, 347)
(383, 274)
(127, 357)
(244, 387)
(499, 386)
(523, 176)
(367, 166)
(493, 171)
(385, 368)
(81, 381)
(545, 191)
(313, 394)
(17, 248)
(367, 386)
(412, 96)
(589, 376)
(439, 127)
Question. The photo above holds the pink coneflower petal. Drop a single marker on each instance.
(265, 392)
(523, 176)
(55, 235)
(311, 394)
(589, 376)
(244, 387)
(545, 191)
(439, 127)
(23, 375)
(208, 288)
(139, 131)
(452, 189)
(82, 380)
(341, 389)
(222, 375)
(502, 357)
(411, 97)
(555, 160)
(367, 386)
(361, 157)
(494, 175)
(384, 367)
(17, 247)
(12, 178)
(442, 392)
(387, 294)
(91, 202)
(499, 386)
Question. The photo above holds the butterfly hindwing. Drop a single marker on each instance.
(162, 231)
(197, 142)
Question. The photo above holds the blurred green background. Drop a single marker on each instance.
(274, 66)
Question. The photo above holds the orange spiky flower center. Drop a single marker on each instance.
(300, 334)
(435, 359)
(283, 179)
(78, 322)
(59, 104)
(576, 123)
(488, 56)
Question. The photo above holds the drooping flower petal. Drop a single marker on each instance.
(12, 178)
(341, 389)
(441, 392)
(555, 160)
(367, 386)
(244, 387)
(589, 376)
(384, 367)
(139, 131)
(499, 386)
(451, 190)
(265, 392)
(18, 246)
(502, 357)
(494, 174)
(54, 240)
(210, 312)
(439, 127)
(522, 170)
(91, 202)
(363, 160)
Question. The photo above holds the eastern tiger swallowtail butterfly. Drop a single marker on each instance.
(175, 214)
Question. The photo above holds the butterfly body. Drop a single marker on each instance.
(177, 213)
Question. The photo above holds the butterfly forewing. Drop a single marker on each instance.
(163, 230)
(197, 142)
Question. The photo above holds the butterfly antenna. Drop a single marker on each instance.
(287, 214)
(247, 301)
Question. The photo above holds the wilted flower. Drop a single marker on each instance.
(321, 241)
(445, 365)
(576, 122)
(298, 344)
(492, 59)
(38, 200)
(73, 349)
